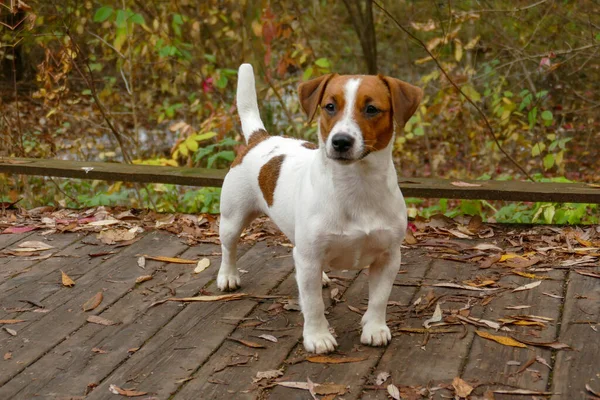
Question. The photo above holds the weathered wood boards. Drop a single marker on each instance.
(411, 187)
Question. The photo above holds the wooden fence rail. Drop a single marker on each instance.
(411, 187)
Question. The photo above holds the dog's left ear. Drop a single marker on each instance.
(311, 93)
(405, 98)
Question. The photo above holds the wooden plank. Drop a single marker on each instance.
(285, 325)
(68, 368)
(580, 328)
(488, 360)
(114, 278)
(347, 326)
(6, 240)
(411, 187)
(188, 340)
(113, 171)
(407, 359)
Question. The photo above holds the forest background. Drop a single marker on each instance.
(153, 82)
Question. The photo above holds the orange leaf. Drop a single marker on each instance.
(93, 302)
(66, 281)
(334, 360)
(125, 392)
(11, 321)
(505, 340)
(248, 343)
(173, 260)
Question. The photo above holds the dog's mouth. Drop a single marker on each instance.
(347, 159)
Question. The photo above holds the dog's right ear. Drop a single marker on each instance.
(311, 93)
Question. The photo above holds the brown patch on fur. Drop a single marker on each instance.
(377, 130)
(255, 138)
(334, 93)
(310, 146)
(267, 177)
(405, 98)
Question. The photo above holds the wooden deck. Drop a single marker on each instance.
(181, 350)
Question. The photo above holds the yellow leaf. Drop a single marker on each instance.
(11, 321)
(458, 50)
(528, 275)
(508, 257)
(334, 360)
(66, 281)
(423, 60)
(173, 260)
(507, 341)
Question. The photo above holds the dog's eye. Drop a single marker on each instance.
(330, 108)
(371, 110)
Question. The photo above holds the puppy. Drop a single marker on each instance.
(339, 203)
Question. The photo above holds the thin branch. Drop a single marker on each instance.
(487, 122)
(516, 9)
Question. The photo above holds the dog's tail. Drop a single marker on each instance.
(247, 103)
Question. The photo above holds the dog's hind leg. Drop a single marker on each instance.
(236, 213)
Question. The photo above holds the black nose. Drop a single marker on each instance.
(342, 142)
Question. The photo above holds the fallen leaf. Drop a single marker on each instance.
(543, 361)
(354, 309)
(112, 236)
(594, 185)
(270, 338)
(587, 385)
(528, 286)
(125, 392)
(11, 321)
(19, 229)
(517, 307)
(522, 391)
(93, 302)
(141, 262)
(465, 287)
(133, 350)
(487, 246)
(11, 332)
(505, 340)
(223, 297)
(552, 345)
(436, 317)
(554, 296)
(334, 360)
(588, 273)
(465, 184)
(7, 356)
(488, 262)
(202, 265)
(66, 281)
(143, 278)
(104, 222)
(461, 388)
(381, 378)
(423, 330)
(393, 391)
(99, 351)
(101, 254)
(34, 245)
(410, 238)
(528, 275)
(94, 319)
(248, 343)
(272, 374)
(334, 292)
(174, 260)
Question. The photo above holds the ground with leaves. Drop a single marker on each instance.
(104, 302)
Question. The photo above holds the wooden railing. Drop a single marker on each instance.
(411, 187)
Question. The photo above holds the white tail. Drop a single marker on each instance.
(247, 102)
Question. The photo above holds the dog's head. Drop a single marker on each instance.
(357, 112)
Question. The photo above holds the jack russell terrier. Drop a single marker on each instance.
(339, 203)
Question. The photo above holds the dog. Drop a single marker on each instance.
(338, 203)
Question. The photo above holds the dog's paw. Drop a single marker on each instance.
(375, 334)
(319, 343)
(325, 281)
(228, 282)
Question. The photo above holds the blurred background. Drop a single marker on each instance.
(153, 82)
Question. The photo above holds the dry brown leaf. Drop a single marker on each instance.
(11, 332)
(409, 238)
(143, 278)
(551, 345)
(270, 338)
(99, 351)
(505, 340)
(589, 388)
(133, 350)
(141, 262)
(522, 391)
(93, 302)
(125, 392)
(66, 281)
(34, 245)
(334, 360)
(112, 236)
(423, 330)
(461, 388)
(465, 287)
(11, 321)
(528, 286)
(381, 378)
(436, 317)
(248, 343)
(222, 297)
(272, 374)
(7, 355)
(202, 265)
(393, 391)
(528, 275)
(356, 310)
(587, 273)
(488, 262)
(174, 260)
(94, 319)
(465, 184)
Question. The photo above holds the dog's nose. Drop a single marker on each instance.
(342, 142)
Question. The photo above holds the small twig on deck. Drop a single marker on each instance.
(490, 130)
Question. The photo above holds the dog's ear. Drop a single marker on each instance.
(311, 93)
(405, 98)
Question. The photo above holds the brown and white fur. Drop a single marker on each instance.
(339, 204)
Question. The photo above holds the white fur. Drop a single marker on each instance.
(247, 101)
(347, 124)
(339, 216)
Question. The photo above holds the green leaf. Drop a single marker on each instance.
(103, 14)
(323, 63)
(307, 73)
(547, 115)
(137, 19)
(549, 214)
(177, 19)
(419, 131)
(537, 149)
(121, 19)
(222, 82)
(204, 136)
(210, 58)
(532, 116)
(549, 161)
(191, 144)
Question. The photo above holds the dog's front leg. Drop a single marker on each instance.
(382, 274)
(317, 338)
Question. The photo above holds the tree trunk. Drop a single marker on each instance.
(361, 14)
